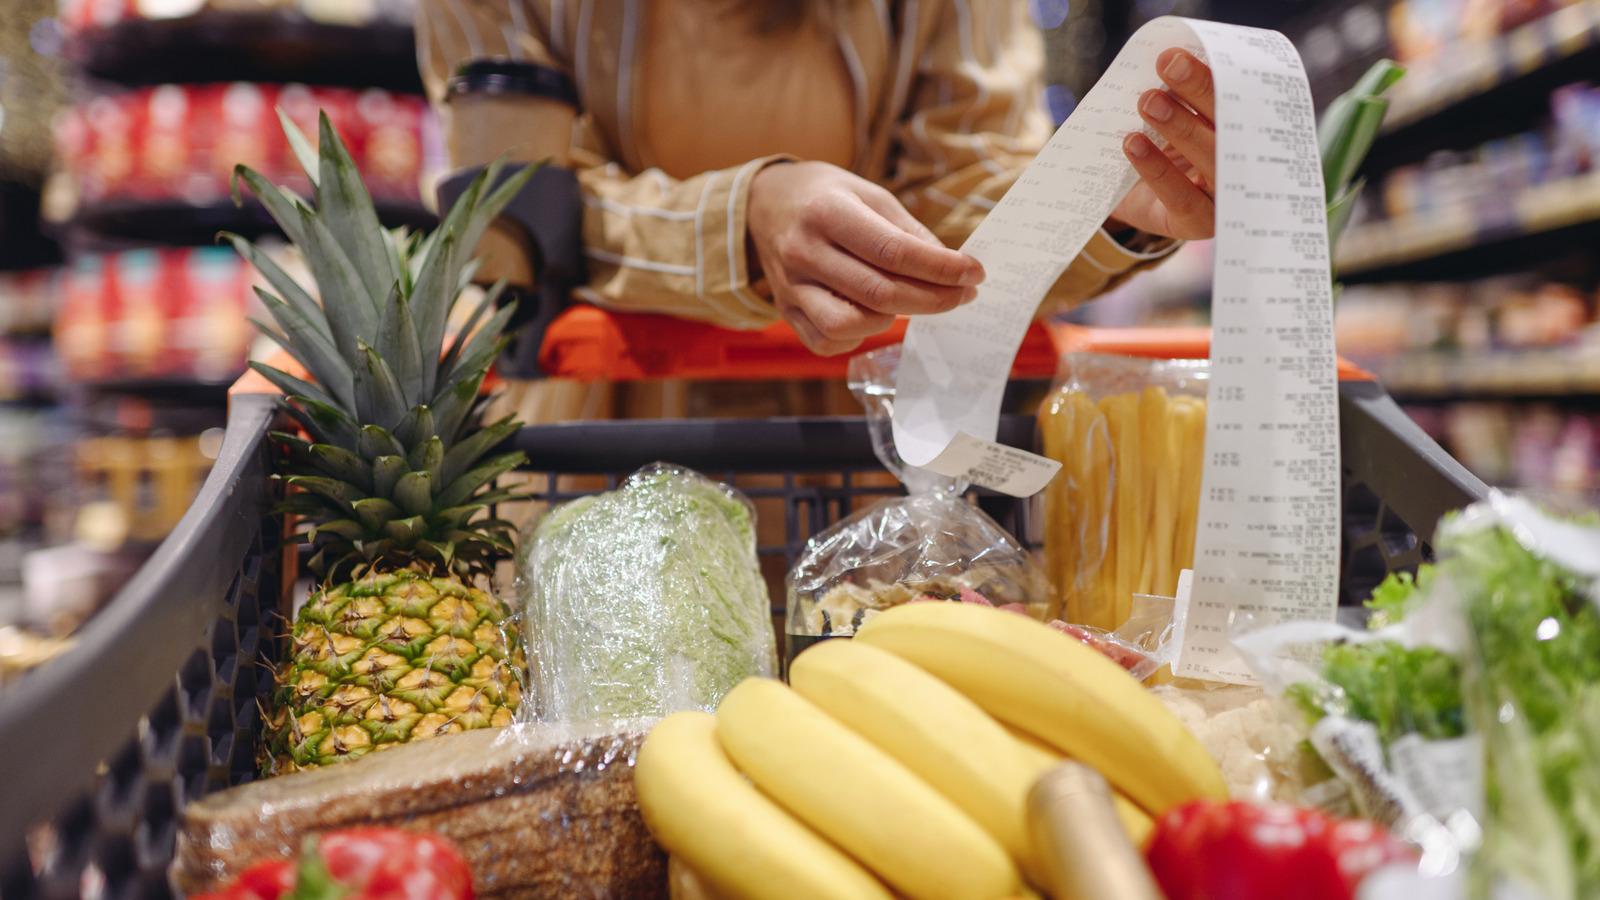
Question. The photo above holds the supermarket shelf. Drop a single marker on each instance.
(270, 47)
(182, 224)
(1556, 372)
(1384, 250)
(1474, 92)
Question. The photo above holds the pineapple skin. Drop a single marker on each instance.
(388, 658)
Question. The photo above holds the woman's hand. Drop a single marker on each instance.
(1176, 185)
(843, 257)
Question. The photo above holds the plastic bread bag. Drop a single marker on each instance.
(1120, 518)
(931, 544)
(537, 810)
(643, 600)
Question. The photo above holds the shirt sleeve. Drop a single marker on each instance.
(973, 123)
(654, 243)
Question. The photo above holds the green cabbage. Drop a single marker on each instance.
(644, 600)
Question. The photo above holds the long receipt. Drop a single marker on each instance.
(1267, 540)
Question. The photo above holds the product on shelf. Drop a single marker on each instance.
(152, 479)
(84, 15)
(171, 313)
(397, 642)
(178, 144)
(28, 300)
(1376, 322)
(644, 600)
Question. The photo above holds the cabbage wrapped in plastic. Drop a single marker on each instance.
(644, 600)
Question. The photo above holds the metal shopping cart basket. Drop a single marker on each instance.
(157, 704)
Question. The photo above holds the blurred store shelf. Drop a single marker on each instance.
(1475, 90)
(265, 47)
(1369, 252)
(1438, 375)
(1469, 70)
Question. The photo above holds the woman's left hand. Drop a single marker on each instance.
(1176, 185)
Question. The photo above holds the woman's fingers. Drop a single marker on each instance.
(1190, 80)
(880, 243)
(1188, 212)
(1192, 137)
(884, 292)
(829, 324)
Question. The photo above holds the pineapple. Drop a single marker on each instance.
(398, 642)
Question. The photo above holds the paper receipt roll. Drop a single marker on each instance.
(1268, 536)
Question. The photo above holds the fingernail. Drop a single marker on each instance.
(1178, 69)
(1157, 106)
(1136, 145)
(969, 295)
(971, 277)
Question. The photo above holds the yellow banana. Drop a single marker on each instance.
(859, 797)
(743, 845)
(1135, 821)
(929, 726)
(1029, 675)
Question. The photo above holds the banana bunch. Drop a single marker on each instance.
(898, 763)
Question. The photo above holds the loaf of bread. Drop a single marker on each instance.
(538, 810)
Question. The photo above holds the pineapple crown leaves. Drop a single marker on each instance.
(394, 472)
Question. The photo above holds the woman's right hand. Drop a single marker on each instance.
(843, 257)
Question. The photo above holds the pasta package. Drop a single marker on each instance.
(1120, 518)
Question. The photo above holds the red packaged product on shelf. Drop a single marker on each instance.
(180, 143)
(178, 313)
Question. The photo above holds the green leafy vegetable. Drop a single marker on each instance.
(645, 600)
(1533, 689)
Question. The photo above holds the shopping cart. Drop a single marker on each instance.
(158, 704)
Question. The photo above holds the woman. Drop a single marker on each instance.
(742, 161)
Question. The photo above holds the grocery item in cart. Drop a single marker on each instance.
(392, 474)
(644, 600)
(931, 544)
(537, 810)
(911, 748)
(371, 863)
(1120, 517)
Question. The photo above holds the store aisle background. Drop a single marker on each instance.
(1470, 271)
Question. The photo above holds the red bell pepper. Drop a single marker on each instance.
(1235, 850)
(359, 864)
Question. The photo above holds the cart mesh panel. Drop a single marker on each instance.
(116, 841)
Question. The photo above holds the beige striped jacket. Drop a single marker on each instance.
(947, 114)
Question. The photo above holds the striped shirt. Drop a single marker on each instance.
(942, 109)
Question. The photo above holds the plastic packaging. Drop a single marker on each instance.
(931, 544)
(1120, 518)
(1469, 718)
(644, 600)
(538, 810)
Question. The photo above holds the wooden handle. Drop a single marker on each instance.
(1076, 833)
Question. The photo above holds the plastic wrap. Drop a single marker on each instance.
(1468, 718)
(1528, 589)
(538, 810)
(644, 600)
(931, 544)
(1120, 518)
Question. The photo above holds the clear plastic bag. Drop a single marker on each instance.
(928, 545)
(1120, 518)
(1470, 718)
(643, 600)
